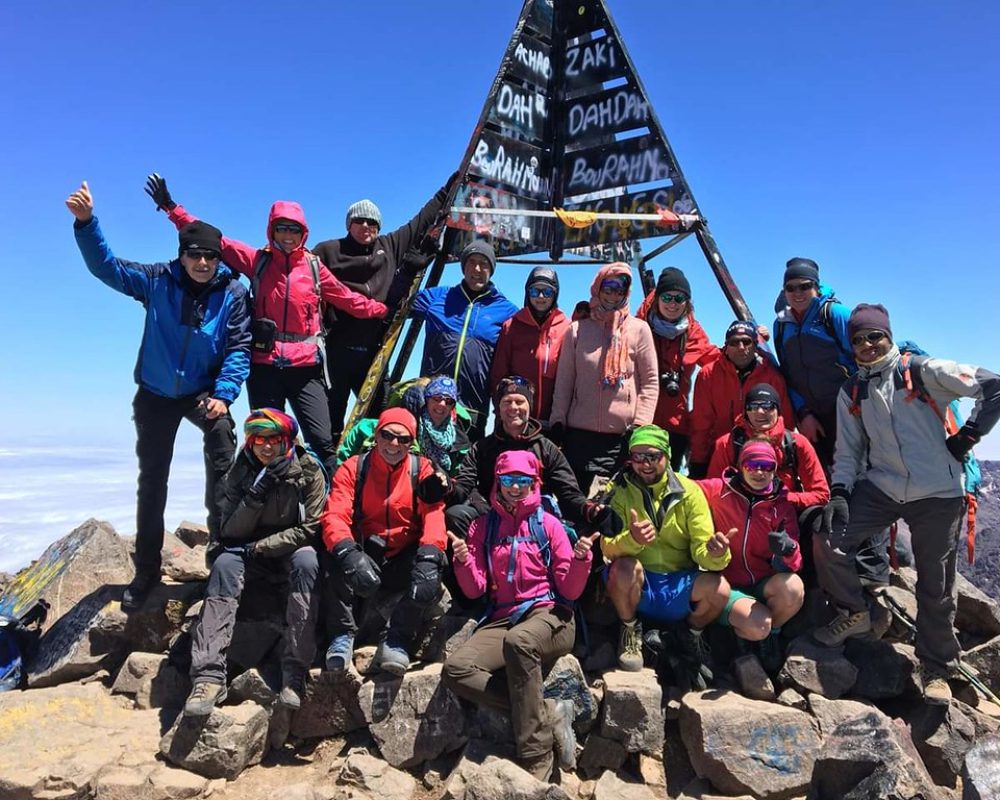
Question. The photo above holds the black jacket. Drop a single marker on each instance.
(475, 478)
(276, 525)
(371, 270)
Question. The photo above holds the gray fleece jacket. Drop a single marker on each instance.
(898, 443)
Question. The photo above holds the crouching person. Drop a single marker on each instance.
(385, 534)
(657, 560)
(522, 557)
(753, 506)
(275, 493)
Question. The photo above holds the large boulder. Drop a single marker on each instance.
(221, 745)
(503, 780)
(976, 613)
(885, 669)
(985, 659)
(566, 681)
(633, 710)
(811, 668)
(193, 534)
(147, 782)
(747, 746)
(330, 705)
(611, 787)
(182, 562)
(152, 681)
(942, 735)
(412, 719)
(475, 754)
(375, 776)
(981, 773)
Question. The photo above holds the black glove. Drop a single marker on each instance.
(425, 579)
(959, 444)
(603, 519)
(156, 187)
(361, 574)
(432, 489)
(697, 472)
(780, 542)
(837, 511)
(274, 474)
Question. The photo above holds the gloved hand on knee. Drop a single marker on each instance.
(361, 574)
(838, 511)
(425, 579)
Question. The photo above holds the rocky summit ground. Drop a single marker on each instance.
(101, 717)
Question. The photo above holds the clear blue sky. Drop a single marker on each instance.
(861, 134)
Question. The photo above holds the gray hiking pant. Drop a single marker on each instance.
(214, 630)
(935, 523)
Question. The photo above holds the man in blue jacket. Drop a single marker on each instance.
(194, 356)
(463, 325)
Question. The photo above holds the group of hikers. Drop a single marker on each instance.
(719, 481)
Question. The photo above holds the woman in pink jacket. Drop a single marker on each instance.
(606, 382)
(752, 506)
(520, 556)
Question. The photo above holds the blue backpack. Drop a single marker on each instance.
(19, 637)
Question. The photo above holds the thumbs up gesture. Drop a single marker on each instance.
(719, 543)
(81, 204)
(641, 530)
(459, 549)
(583, 545)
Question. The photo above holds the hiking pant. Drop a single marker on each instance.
(305, 390)
(408, 617)
(935, 523)
(591, 454)
(156, 422)
(348, 367)
(501, 667)
(459, 518)
(214, 630)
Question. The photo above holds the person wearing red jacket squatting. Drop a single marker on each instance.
(289, 285)
(383, 528)
(529, 341)
(521, 556)
(681, 345)
(719, 393)
(799, 468)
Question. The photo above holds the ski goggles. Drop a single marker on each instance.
(541, 291)
(390, 437)
(648, 457)
(759, 466)
(285, 227)
(680, 297)
(520, 481)
(871, 338)
(805, 286)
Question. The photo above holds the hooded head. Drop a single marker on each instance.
(616, 280)
(519, 462)
(543, 278)
(286, 210)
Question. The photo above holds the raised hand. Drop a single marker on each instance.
(641, 530)
(459, 549)
(583, 545)
(718, 545)
(156, 187)
(81, 204)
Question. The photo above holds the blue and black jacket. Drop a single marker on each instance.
(191, 343)
(462, 333)
(815, 354)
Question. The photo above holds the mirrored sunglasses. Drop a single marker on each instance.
(680, 297)
(649, 457)
(760, 466)
(520, 481)
(541, 291)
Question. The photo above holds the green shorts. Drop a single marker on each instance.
(755, 592)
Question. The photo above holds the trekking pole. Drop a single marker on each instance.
(901, 614)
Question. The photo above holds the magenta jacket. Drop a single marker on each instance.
(566, 575)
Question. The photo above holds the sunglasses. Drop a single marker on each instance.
(442, 398)
(739, 342)
(520, 481)
(680, 297)
(197, 254)
(282, 227)
(646, 458)
(805, 286)
(364, 221)
(871, 337)
(762, 405)
(390, 437)
(760, 466)
(613, 286)
(541, 291)
(260, 439)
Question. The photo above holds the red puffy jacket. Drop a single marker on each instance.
(754, 518)
(287, 291)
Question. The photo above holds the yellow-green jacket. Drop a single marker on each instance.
(679, 511)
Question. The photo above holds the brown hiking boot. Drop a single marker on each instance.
(844, 626)
(937, 692)
(630, 647)
(203, 698)
(540, 767)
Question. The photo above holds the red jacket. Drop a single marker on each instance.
(531, 350)
(672, 412)
(386, 506)
(287, 292)
(718, 401)
(754, 519)
(807, 486)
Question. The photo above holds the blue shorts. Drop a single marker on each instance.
(666, 596)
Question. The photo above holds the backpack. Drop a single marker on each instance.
(19, 635)
(826, 317)
(738, 438)
(259, 265)
(908, 377)
(362, 476)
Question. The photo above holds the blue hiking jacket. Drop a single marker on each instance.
(461, 337)
(814, 364)
(190, 344)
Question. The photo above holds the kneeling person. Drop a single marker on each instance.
(656, 561)
(275, 493)
(384, 530)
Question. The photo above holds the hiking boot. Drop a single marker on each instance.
(771, 653)
(340, 653)
(630, 646)
(391, 656)
(540, 767)
(846, 625)
(879, 613)
(937, 692)
(292, 688)
(561, 714)
(695, 657)
(142, 584)
(204, 696)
